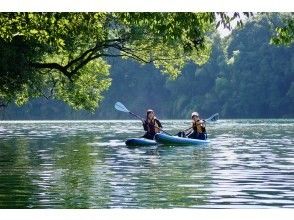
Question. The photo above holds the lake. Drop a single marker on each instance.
(85, 164)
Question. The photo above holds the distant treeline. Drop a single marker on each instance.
(246, 77)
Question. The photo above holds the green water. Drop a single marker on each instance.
(85, 164)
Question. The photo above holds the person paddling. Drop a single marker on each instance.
(197, 131)
(151, 125)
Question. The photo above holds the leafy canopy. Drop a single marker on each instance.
(285, 34)
(66, 56)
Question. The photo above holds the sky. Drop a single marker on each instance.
(224, 31)
(148, 5)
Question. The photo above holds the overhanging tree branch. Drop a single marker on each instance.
(72, 67)
(52, 66)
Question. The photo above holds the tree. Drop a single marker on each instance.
(285, 34)
(245, 77)
(64, 55)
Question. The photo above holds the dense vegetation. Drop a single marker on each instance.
(245, 77)
(64, 56)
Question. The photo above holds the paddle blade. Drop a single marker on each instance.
(213, 118)
(120, 107)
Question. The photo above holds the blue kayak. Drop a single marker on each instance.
(165, 139)
(140, 142)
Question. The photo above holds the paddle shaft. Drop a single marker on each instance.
(120, 107)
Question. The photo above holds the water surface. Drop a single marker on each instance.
(85, 164)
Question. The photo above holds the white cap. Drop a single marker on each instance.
(194, 114)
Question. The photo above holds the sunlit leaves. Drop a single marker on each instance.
(47, 38)
(285, 34)
(169, 40)
(65, 54)
(86, 88)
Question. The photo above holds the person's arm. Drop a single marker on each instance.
(202, 123)
(158, 123)
(188, 130)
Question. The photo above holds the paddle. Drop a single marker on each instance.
(120, 107)
(212, 118)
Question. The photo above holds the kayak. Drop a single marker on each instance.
(165, 139)
(140, 142)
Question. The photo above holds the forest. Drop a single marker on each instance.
(246, 76)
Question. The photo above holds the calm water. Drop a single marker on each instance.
(85, 164)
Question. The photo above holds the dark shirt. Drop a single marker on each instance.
(150, 126)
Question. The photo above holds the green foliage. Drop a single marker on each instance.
(259, 83)
(86, 89)
(33, 40)
(169, 40)
(245, 76)
(261, 76)
(57, 55)
(285, 35)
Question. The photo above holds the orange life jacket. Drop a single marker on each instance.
(198, 127)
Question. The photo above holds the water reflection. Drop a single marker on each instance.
(86, 165)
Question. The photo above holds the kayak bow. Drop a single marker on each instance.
(140, 142)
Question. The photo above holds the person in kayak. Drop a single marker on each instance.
(197, 131)
(151, 125)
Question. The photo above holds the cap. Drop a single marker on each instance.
(149, 110)
(194, 114)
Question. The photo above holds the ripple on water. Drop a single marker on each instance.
(85, 164)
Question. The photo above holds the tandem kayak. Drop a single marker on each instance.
(140, 142)
(165, 139)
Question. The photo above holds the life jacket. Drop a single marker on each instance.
(150, 126)
(198, 127)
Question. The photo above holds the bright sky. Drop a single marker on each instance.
(225, 32)
(148, 5)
